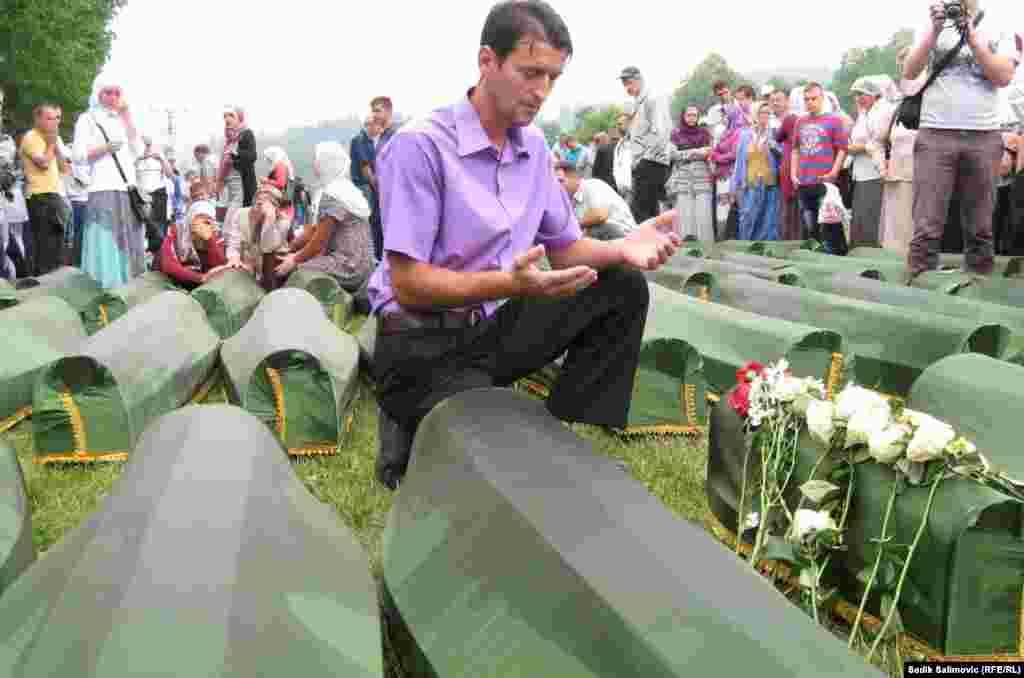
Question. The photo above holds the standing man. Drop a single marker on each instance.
(604, 159)
(470, 207)
(42, 161)
(204, 169)
(622, 168)
(150, 170)
(789, 207)
(361, 152)
(383, 114)
(820, 141)
(649, 140)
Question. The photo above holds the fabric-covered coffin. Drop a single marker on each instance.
(7, 296)
(514, 550)
(295, 370)
(908, 297)
(1004, 291)
(207, 558)
(771, 248)
(92, 406)
(337, 302)
(16, 548)
(727, 338)
(891, 271)
(70, 284)
(959, 597)
(1004, 265)
(892, 345)
(229, 301)
(114, 303)
(36, 333)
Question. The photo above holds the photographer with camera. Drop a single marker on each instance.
(959, 143)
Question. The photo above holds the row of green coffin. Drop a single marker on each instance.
(963, 591)
(207, 558)
(513, 549)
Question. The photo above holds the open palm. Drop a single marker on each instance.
(652, 243)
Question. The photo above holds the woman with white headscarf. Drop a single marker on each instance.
(193, 251)
(281, 177)
(113, 237)
(339, 243)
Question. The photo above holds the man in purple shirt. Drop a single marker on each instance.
(470, 206)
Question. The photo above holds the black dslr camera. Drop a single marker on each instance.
(955, 10)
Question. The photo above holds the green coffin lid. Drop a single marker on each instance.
(207, 558)
(891, 345)
(16, 548)
(755, 261)
(93, 405)
(728, 339)
(70, 284)
(882, 269)
(295, 370)
(36, 333)
(114, 303)
(7, 295)
(337, 302)
(773, 248)
(229, 301)
(928, 608)
(1004, 266)
(512, 549)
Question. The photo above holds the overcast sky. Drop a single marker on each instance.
(306, 60)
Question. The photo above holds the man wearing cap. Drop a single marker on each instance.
(649, 138)
(470, 207)
(868, 160)
(602, 213)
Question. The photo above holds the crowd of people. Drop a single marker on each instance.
(442, 225)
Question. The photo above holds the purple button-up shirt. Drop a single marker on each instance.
(449, 200)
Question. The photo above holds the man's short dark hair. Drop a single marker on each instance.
(509, 22)
(384, 102)
(746, 90)
(719, 85)
(39, 108)
(813, 85)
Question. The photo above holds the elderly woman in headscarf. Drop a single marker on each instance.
(690, 184)
(256, 237)
(724, 158)
(113, 237)
(236, 175)
(281, 177)
(756, 179)
(193, 251)
(339, 242)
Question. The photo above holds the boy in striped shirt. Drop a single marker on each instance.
(820, 148)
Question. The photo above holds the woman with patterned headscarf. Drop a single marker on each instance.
(724, 157)
(113, 237)
(339, 242)
(256, 237)
(236, 175)
(690, 184)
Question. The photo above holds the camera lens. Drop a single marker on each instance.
(954, 11)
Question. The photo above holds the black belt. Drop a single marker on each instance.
(402, 321)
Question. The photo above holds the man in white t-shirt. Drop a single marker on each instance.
(602, 212)
(150, 171)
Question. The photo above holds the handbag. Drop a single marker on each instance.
(140, 203)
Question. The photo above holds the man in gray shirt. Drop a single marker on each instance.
(959, 143)
(602, 212)
(649, 139)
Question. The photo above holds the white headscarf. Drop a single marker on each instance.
(103, 80)
(183, 244)
(334, 166)
(276, 154)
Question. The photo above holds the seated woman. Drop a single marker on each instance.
(193, 251)
(339, 242)
(256, 237)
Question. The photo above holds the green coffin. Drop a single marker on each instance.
(295, 370)
(1004, 291)
(70, 284)
(208, 558)
(92, 406)
(7, 296)
(1004, 266)
(229, 301)
(891, 345)
(891, 271)
(114, 303)
(727, 338)
(16, 548)
(972, 310)
(513, 549)
(771, 248)
(337, 302)
(755, 261)
(958, 596)
(36, 333)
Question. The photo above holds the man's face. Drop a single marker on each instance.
(230, 120)
(723, 94)
(622, 123)
(632, 87)
(570, 182)
(48, 120)
(372, 128)
(779, 103)
(865, 101)
(381, 116)
(813, 99)
(521, 83)
(571, 144)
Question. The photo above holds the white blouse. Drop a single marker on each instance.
(104, 174)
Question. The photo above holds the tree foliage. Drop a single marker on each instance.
(696, 87)
(596, 120)
(52, 51)
(861, 61)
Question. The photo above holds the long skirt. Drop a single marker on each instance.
(759, 218)
(897, 215)
(695, 215)
(867, 213)
(113, 239)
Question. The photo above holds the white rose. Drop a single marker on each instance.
(788, 388)
(819, 420)
(873, 418)
(856, 398)
(887, 445)
(930, 441)
(806, 521)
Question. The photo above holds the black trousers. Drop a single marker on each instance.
(832, 235)
(601, 328)
(648, 188)
(376, 227)
(46, 222)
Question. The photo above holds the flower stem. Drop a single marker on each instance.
(906, 566)
(878, 562)
(742, 520)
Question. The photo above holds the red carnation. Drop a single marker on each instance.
(743, 374)
(739, 399)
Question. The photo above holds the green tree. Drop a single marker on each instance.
(861, 61)
(596, 120)
(780, 83)
(52, 51)
(695, 89)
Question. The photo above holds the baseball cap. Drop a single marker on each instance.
(630, 73)
(866, 86)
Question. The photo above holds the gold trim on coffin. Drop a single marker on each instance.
(848, 612)
(15, 419)
(281, 426)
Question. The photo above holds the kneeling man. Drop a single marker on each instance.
(602, 212)
(470, 206)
